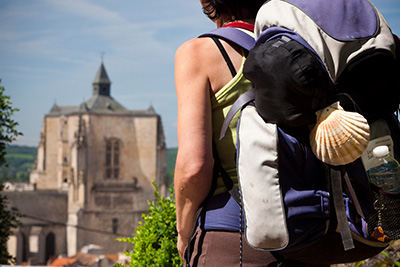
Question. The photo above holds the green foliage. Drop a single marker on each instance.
(8, 221)
(21, 151)
(8, 132)
(155, 241)
(384, 258)
(20, 160)
(171, 159)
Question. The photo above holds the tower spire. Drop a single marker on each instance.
(101, 83)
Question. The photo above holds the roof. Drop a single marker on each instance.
(100, 102)
(39, 207)
(99, 105)
(86, 259)
(101, 76)
(56, 109)
(104, 104)
(63, 261)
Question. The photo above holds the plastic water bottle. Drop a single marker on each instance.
(386, 175)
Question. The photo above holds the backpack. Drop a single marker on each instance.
(303, 62)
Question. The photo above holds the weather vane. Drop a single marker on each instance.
(102, 57)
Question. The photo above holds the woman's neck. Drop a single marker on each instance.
(237, 21)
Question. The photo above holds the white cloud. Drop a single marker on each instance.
(87, 9)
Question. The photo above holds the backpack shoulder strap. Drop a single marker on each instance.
(336, 176)
(246, 42)
(397, 42)
(232, 35)
(243, 100)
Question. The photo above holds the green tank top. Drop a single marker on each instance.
(221, 102)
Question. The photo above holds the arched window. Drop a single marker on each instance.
(50, 246)
(114, 225)
(24, 242)
(112, 158)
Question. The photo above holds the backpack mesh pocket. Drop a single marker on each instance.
(386, 214)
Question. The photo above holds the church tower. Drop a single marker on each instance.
(105, 158)
(101, 83)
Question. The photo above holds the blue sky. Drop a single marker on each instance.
(50, 51)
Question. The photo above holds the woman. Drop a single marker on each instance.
(207, 85)
(206, 88)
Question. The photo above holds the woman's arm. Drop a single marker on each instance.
(194, 163)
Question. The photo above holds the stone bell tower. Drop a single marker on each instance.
(105, 158)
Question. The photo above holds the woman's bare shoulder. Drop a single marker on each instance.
(197, 49)
(196, 44)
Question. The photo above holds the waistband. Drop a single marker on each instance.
(223, 213)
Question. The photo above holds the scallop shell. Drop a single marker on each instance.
(339, 137)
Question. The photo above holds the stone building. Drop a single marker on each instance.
(93, 176)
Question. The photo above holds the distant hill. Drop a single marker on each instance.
(20, 160)
(171, 158)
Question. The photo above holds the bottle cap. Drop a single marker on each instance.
(380, 151)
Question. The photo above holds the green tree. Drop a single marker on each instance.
(155, 241)
(8, 131)
(8, 221)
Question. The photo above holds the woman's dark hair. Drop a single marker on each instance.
(240, 9)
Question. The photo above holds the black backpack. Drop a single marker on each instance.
(304, 62)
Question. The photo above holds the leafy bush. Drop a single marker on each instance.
(155, 241)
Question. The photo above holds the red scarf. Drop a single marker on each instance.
(243, 25)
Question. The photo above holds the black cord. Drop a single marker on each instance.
(240, 230)
(73, 225)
